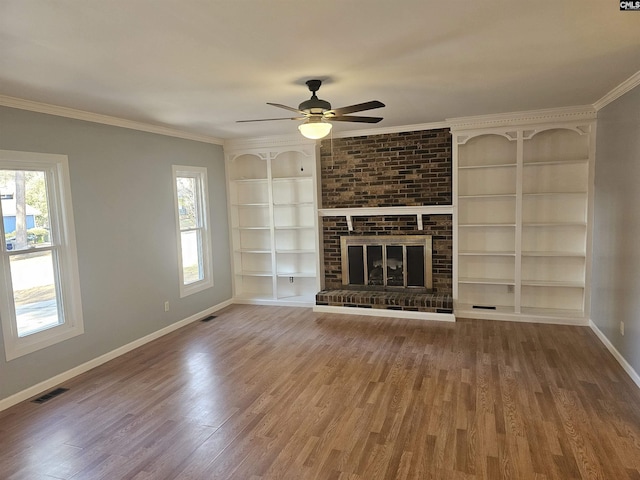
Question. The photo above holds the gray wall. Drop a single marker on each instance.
(121, 186)
(616, 247)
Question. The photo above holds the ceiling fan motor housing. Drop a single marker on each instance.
(314, 105)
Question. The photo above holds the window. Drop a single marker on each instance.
(194, 239)
(39, 282)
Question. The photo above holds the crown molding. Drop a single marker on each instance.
(273, 142)
(297, 139)
(547, 115)
(563, 114)
(66, 112)
(626, 86)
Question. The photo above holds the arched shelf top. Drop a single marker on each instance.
(556, 144)
(271, 154)
(243, 155)
(248, 166)
(488, 149)
(462, 139)
(280, 153)
(292, 164)
(581, 130)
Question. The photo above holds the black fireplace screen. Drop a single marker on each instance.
(389, 261)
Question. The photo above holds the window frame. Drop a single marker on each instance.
(202, 206)
(64, 249)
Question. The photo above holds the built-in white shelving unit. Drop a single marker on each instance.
(522, 216)
(273, 215)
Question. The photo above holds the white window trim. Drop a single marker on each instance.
(61, 212)
(207, 260)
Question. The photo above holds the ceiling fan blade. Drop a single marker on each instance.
(271, 119)
(354, 119)
(356, 108)
(291, 109)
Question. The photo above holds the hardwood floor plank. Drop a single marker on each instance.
(266, 393)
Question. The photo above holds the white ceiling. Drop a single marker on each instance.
(200, 65)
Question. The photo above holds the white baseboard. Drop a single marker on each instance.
(274, 302)
(74, 372)
(520, 317)
(383, 312)
(616, 354)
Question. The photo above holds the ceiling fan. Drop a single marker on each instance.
(318, 114)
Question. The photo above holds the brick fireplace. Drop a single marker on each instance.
(408, 169)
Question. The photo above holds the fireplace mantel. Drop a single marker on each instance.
(416, 211)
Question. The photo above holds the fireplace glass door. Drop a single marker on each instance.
(380, 262)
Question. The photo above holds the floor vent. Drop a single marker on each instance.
(484, 307)
(209, 318)
(48, 396)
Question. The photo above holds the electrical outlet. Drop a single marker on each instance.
(166, 306)
(621, 327)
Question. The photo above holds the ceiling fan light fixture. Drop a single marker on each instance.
(318, 114)
(314, 129)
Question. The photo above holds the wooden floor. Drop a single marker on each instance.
(283, 393)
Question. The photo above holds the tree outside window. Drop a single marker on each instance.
(39, 284)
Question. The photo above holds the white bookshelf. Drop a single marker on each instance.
(523, 221)
(272, 211)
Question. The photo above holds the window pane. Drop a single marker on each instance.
(34, 292)
(193, 236)
(25, 209)
(187, 202)
(191, 244)
(38, 255)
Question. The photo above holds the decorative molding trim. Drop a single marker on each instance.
(585, 112)
(74, 372)
(626, 86)
(549, 115)
(297, 139)
(381, 312)
(103, 119)
(616, 354)
(262, 144)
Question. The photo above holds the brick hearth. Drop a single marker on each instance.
(414, 302)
